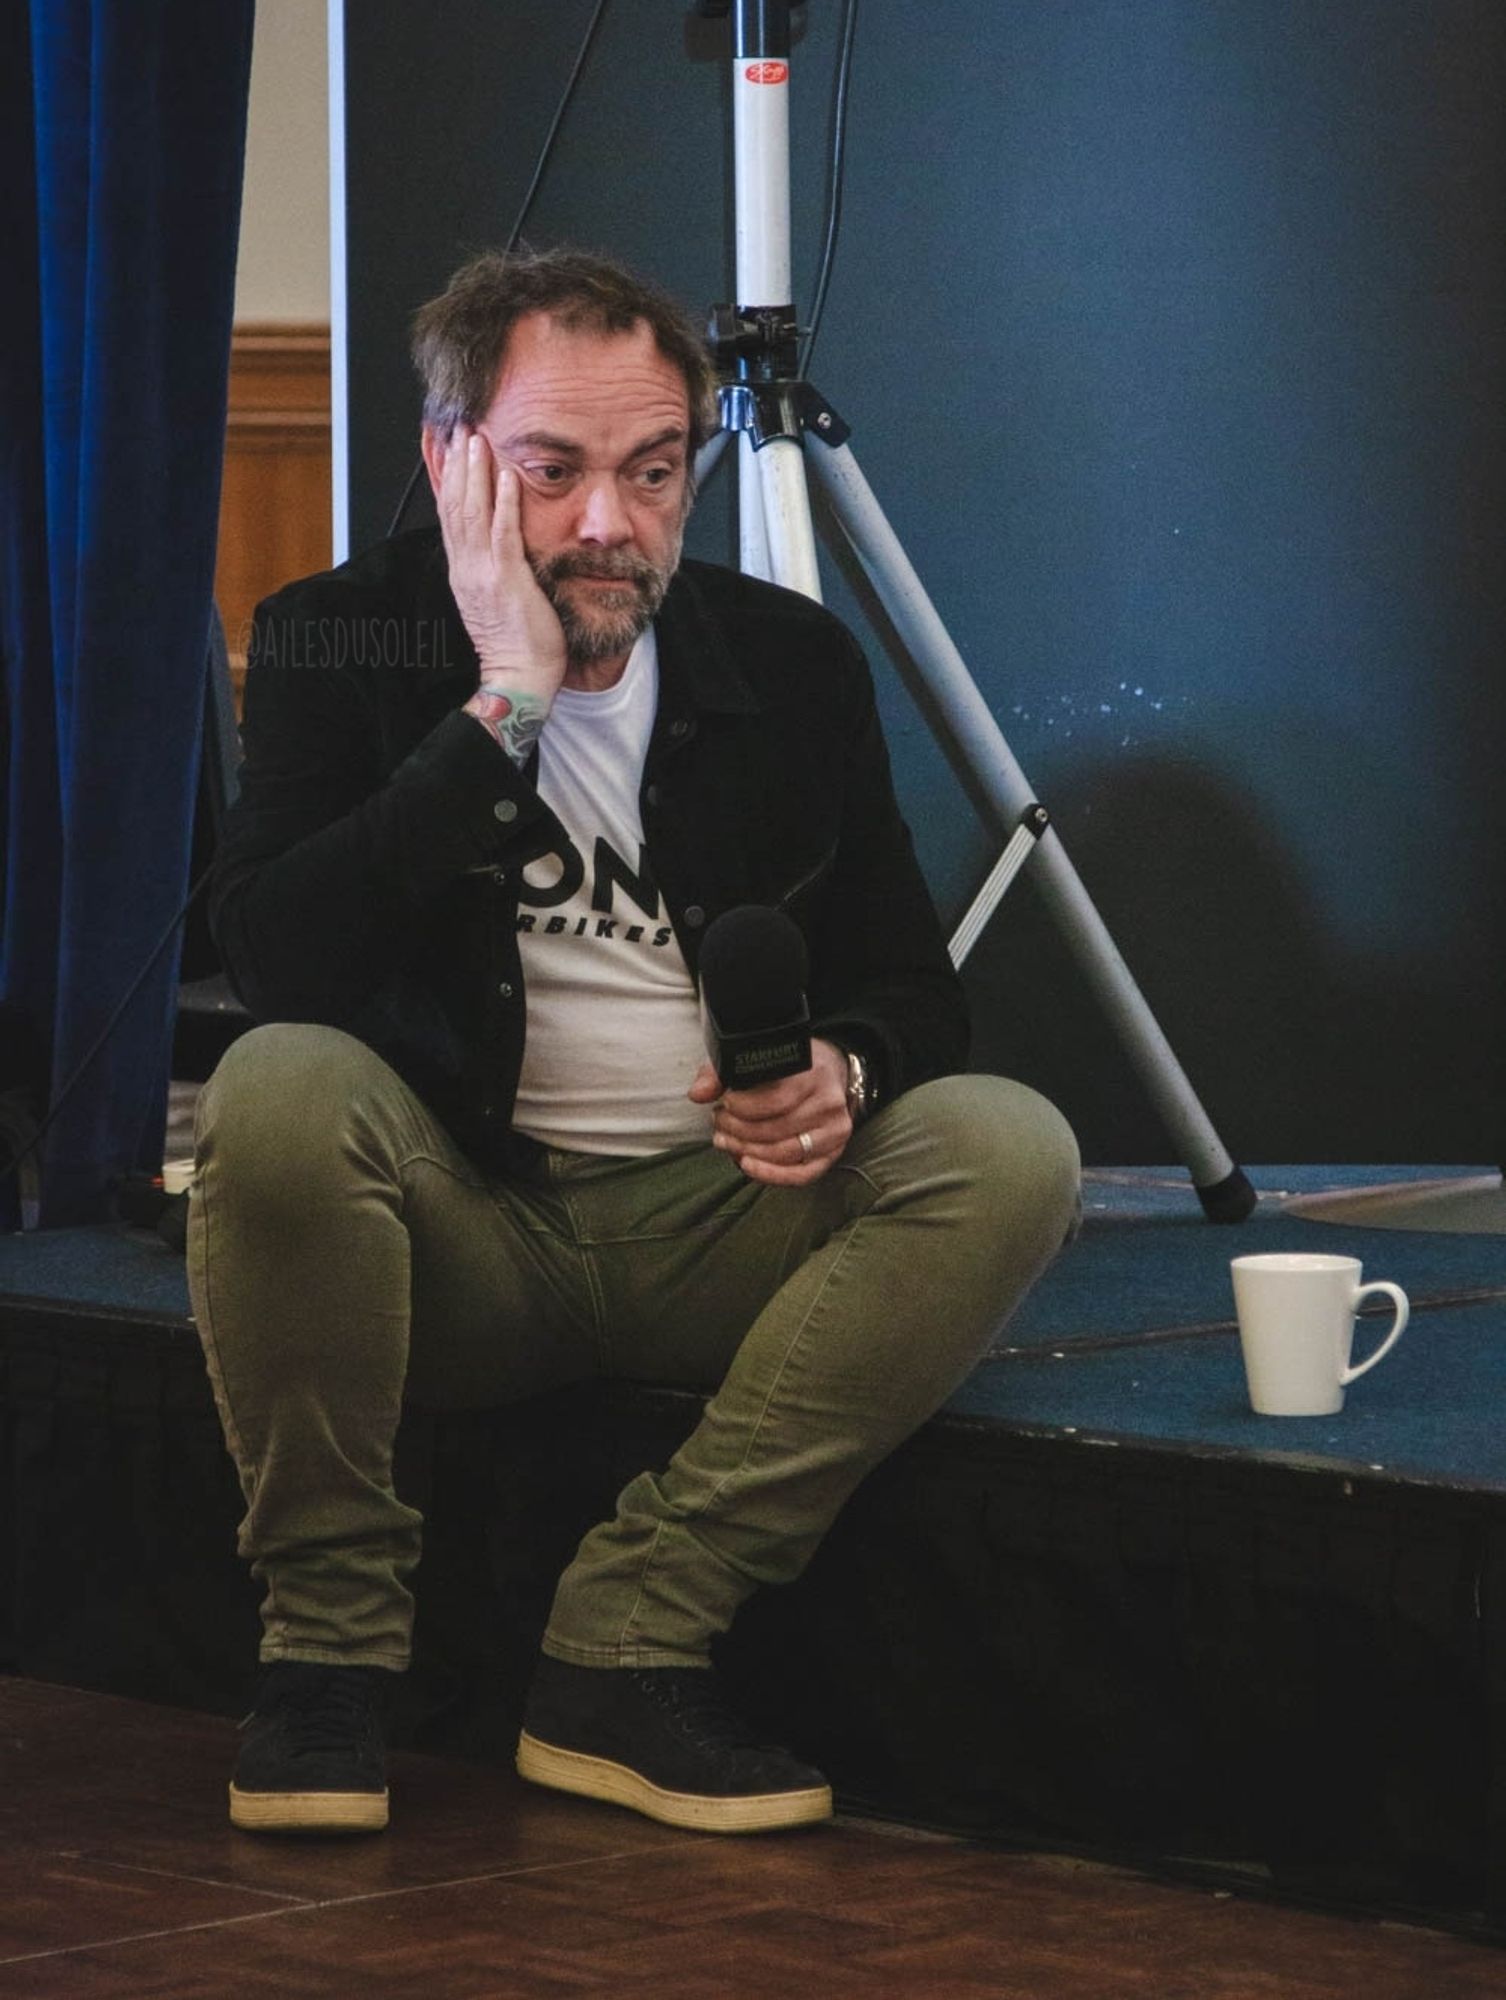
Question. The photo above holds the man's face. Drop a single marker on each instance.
(597, 427)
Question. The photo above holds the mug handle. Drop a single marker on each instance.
(1398, 1299)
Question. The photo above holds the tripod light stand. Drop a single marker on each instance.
(785, 429)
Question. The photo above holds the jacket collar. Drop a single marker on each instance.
(695, 661)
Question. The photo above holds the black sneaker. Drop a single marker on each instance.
(314, 1759)
(662, 1740)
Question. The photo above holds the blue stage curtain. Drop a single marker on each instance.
(122, 138)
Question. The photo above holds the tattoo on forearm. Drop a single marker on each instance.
(515, 720)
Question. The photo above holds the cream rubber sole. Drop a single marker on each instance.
(597, 1778)
(308, 1812)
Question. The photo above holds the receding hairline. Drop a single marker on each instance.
(464, 337)
(590, 327)
(539, 435)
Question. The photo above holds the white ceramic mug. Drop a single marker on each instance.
(1296, 1323)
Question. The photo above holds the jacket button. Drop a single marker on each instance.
(504, 810)
(695, 916)
(505, 990)
(651, 796)
(681, 728)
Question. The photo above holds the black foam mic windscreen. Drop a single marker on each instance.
(753, 967)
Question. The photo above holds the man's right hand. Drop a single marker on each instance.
(511, 623)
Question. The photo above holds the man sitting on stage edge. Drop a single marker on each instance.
(498, 780)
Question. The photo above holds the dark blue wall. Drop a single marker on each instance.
(1171, 334)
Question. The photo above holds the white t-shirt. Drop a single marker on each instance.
(614, 1028)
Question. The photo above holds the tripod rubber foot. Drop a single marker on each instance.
(1228, 1200)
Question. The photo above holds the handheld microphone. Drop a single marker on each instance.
(753, 968)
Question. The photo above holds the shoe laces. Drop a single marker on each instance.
(692, 1700)
(322, 1709)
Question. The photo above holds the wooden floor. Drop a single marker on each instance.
(119, 1876)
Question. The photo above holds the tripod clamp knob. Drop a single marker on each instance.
(759, 343)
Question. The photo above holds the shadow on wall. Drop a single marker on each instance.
(1248, 984)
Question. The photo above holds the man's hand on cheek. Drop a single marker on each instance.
(762, 1127)
(512, 624)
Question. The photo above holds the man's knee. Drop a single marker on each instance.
(995, 1124)
(282, 1103)
(1006, 1142)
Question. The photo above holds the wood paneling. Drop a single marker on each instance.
(275, 504)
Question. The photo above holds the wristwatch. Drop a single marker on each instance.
(860, 1094)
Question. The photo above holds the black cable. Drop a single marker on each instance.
(834, 180)
(406, 501)
(81, 1067)
(540, 165)
(559, 118)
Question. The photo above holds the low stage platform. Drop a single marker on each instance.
(1096, 1606)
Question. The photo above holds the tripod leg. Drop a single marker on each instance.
(709, 457)
(753, 557)
(780, 469)
(1223, 1190)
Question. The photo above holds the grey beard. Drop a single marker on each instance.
(598, 634)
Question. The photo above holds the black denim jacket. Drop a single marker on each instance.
(369, 873)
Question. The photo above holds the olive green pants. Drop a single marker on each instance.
(343, 1254)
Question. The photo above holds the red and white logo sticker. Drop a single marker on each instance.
(767, 72)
